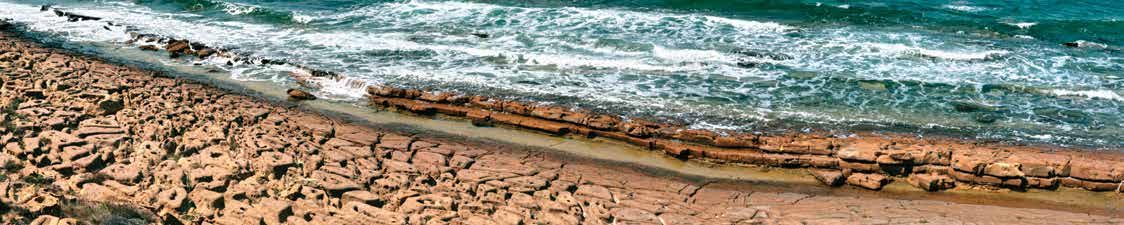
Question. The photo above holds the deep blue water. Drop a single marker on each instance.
(989, 69)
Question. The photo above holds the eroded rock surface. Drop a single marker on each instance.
(191, 154)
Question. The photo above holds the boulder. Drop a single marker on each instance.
(177, 46)
(931, 181)
(1093, 170)
(868, 181)
(298, 94)
(829, 177)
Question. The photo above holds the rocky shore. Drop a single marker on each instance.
(867, 160)
(89, 142)
(931, 163)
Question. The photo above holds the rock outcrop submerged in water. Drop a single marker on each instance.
(89, 142)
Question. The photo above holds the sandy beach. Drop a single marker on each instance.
(86, 141)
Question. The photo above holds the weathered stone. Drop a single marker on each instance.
(1017, 183)
(931, 182)
(172, 198)
(149, 48)
(1002, 169)
(971, 161)
(860, 151)
(298, 94)
(1093, 170)
(829, 177)
(868, 181)
(1041, 164)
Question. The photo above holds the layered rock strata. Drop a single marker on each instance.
(948, 162)
(154, 149)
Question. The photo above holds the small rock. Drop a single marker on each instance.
(206, 52)
(481, 35)
(868, 181)
(300, 95)
(829, 177)
(986, 118)
(110, 106)
(149, 48)
(931, 182)
(177, 46)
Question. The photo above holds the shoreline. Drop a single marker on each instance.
(932, 163)
(123, 135)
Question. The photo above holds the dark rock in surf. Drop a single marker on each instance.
(149, 48)
(298, 94)
(987, 118)
(481, 35)
(71, 17)
(44, 8)
(975, 107)
(748, 64)
(206, 52)
(176, 46)
(321, 73)
(1071, 44)
(197, 46)
(764, 55)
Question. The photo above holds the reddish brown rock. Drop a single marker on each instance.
(868, 181)
(697, 136)
(931, 181)
(1004, 169)
(1093, 170)
(177, 46)
(864, 151)
(735, 141)
(1041, 164)
(829, 177)
(1017, 183)
(972, 160)
(602, 122)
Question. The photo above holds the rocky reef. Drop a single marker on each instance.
(89, 142)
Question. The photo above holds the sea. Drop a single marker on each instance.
(1039, 71)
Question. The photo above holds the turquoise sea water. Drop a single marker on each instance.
(989, 69)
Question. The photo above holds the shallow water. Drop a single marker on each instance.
(994, 70)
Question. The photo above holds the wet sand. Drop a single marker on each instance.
(80, 131)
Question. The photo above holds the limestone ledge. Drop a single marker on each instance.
(922, 161)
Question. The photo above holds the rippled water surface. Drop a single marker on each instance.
(990, 69)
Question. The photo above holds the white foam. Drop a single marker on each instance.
(967, 8)
(690, 55)
(301, 18)
(1092, 94)
(940, 54)
(238, 9)
(1022, 25)
(1090, 44)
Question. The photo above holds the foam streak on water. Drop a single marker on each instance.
(705, 68)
